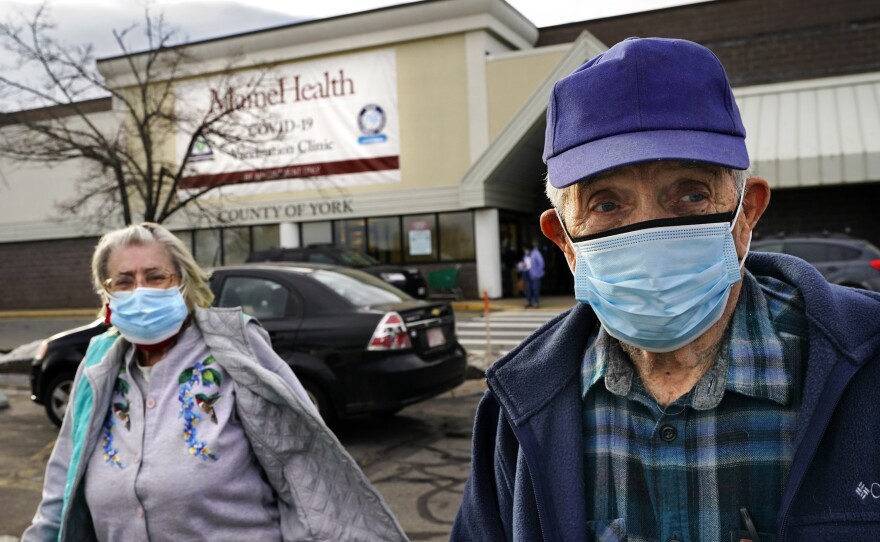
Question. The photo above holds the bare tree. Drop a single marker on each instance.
(134, 176)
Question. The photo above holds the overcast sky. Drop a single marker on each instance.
(81, 21)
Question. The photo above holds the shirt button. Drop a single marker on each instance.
(668, 433)
(137, 457)
(139, 512)
(151, 403)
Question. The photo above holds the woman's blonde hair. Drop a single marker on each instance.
(193, 280)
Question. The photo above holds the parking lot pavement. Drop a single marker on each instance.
(419, 460)
(26, 440)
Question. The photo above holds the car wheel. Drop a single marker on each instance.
(319, 399)
(387, 413)
(57, 395)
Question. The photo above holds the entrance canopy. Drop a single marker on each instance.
(799, 134)
(814, 132)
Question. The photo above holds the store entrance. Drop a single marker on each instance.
(515, 230)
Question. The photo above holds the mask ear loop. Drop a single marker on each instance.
(739, 207)
(564, 229)
(567, 236)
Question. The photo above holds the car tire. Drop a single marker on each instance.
(387, 413)
(320, 400)
(57, 395)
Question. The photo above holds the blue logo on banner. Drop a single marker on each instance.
(371, 121)
(378, 138)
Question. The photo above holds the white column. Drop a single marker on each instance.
(289, 232)
(488, 252)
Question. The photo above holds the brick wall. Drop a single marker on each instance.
(47, 275)
(758, 41)
(851, 209)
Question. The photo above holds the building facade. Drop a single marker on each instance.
(415, 133)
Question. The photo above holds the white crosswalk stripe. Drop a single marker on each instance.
(506, 330)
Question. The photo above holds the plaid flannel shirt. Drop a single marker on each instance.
(683, 472)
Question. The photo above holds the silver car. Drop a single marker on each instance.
(841, 259)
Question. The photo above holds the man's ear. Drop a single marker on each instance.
(755, 200)
(552, 229)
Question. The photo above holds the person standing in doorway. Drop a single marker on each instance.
(532, 274)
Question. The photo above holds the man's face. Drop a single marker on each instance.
(643, 192)
(650, 191)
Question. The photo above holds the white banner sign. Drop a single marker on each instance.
(324, 123)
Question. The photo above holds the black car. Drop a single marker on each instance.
(357, 344)
(408, 279)
(841, 259)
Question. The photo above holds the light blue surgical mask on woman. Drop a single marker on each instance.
(148, 315)
(660, 284)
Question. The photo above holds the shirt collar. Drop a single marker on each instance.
(751, 360)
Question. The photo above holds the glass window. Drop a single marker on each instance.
(317, 232)
(351, 234)
(420, 238)
(358, 287)
(261, 298)
(265, 237)
(320, 257)
(206, 247)
(353, 258)
(770, 247)
(236, 245)
(457, 236)
(186, 237)
(839, 253)
(811, 252)
(384, 239)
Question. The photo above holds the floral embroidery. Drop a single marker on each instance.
(191, 402)
(111, 454)
(119, 410)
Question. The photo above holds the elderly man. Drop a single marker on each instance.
(689, 397)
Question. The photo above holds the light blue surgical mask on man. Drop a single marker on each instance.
(148, 315)
(658, 285)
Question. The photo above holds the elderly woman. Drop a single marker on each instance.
(185, 425)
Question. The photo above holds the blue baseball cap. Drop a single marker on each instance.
(643, 99)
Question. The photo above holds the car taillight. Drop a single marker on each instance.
(875, 264)
(41, 351)
(390, 334)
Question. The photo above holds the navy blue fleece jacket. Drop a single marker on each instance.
(527, 480)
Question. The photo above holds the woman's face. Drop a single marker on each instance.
(138, 266)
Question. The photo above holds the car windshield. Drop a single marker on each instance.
(353, 258)
(359, 288)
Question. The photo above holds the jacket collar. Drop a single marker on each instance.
(532, 374)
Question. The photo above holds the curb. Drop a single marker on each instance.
(500, 307)
(475, 306)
